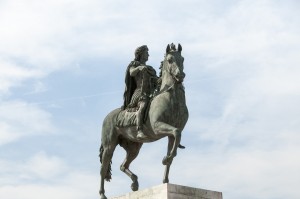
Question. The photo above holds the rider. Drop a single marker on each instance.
(140, 83)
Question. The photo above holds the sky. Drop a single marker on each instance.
(62, 70)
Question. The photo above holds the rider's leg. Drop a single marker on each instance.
(140, 118)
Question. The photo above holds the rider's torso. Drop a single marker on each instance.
(144, 80)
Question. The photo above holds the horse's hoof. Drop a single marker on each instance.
(166, 181)
(102, 196)
(135, 186)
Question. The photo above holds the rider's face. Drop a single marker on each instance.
(144, 56)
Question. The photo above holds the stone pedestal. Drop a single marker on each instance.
(172, 191)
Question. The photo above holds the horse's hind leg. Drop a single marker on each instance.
(106, 154)
(132, 150)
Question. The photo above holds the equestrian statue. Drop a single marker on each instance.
(154, 107)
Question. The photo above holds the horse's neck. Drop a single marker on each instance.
(167, 80)
(169, 84)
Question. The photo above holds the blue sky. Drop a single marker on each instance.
(62, 70)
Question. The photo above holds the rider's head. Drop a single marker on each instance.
(141, 54)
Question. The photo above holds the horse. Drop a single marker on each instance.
(167, 116)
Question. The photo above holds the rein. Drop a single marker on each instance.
(164, 90)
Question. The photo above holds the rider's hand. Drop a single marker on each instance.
(142, 68)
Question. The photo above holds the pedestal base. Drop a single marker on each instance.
(172, 191)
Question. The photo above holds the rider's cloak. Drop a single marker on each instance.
(130, 84)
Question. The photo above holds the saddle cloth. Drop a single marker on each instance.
(127, 118)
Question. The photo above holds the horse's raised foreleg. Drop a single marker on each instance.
(166, 129)
(132, 150)
(167, 168)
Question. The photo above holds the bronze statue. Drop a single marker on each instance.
(166, 116)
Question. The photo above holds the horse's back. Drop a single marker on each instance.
(111, 117)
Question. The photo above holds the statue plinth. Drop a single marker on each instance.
(172, 191)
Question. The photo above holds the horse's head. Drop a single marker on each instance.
(173, 62)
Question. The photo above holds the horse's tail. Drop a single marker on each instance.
(108, 173)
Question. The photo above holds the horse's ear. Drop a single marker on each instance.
(179, 48)
(168, 48)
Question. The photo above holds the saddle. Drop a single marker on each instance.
(128, 117)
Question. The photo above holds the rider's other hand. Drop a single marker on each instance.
(142, 68)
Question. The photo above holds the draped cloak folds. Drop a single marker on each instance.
(130, 84)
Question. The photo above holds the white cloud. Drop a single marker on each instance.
(21, 180)
(20, 119)
(84, 187)
(250, 173)
(45, 167)
(40, 166)
(13, 74)
(38, 87)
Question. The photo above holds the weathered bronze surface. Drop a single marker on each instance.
(154, 107)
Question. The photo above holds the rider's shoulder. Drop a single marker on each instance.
(134, 63)
(150, 67)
